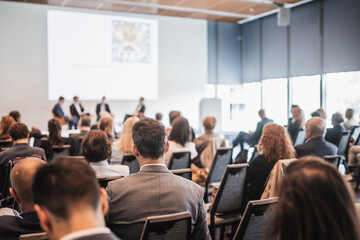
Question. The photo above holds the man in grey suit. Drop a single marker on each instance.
(154, 190)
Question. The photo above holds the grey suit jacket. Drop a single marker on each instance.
(154, 191)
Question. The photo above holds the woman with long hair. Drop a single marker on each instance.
(315, 204)
(106, 125)
(180, 139)
(274, 144)
(6, 123)
(297, 123)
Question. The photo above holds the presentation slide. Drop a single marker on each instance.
(92, 55)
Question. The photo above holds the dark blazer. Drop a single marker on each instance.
(74, 112)
(153, 191)
(21, 150)
(333, 135)
(102, 236)
(98, 109)
(293, 129)
(57, 110)
(317, 146)
(255, 137)
(11, 227)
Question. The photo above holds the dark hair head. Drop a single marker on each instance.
(315, 114)
(149, 136)
(63, 185)
(54, 128)
(16, 115)
(337, 118)
(173, 115)
(180, 132)
(75, 97)
(61, 98)
(106, 125)
(19, 131)
(315, 203)
(349, 113)
(142, 99)
(5, 125)
(85, 121)
(96, 146)
(158, 116)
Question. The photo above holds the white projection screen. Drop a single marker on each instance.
(93, 55)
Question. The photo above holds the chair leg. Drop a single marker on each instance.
(212, 231)
(222, 233)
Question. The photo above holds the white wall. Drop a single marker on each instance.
(23, 66)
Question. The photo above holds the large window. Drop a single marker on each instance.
(305, 92)
(274, 99)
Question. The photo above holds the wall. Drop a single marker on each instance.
(23, 66)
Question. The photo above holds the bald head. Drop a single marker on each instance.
(21, 177)
(315, 127)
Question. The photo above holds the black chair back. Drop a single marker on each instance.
(167, 227)
(5, 179)
(185, 173)
(257, 219)
(334, 160)
(131, 162)
(78, 146)
(179, 160)
(59, 150)
(104, 181)
(5, 144)
(34, 236)
(37, 142)
(300, 138)
(221, 160)
(344, 142)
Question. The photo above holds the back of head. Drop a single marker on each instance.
(54, 128)
(21, 177)
(85, 121)
(298, 116)
(180, 132)
(158, 116)
(64, 186)
(6, 123)
(315, 203)
(126, 142)
(209, 123)
(275, 143)
(106, 125)
(316, 125)
(336, 119)
(18, 131)
(16, 115)
(173, 115)
(322, 113)
(96, 146)
(149, 136)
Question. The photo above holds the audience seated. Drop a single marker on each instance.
(124, 146)
(172, 116)
(315, 144)
(252, 138)
(296, 123)
(97, 150)
(16, 115)
(333, 134)
(290, 120)
(85, 124)
(351, 122)
(154, 190)
(19, 133)
(59, 113)
(158, 116)
(322, 113)
(54, 128)
(21, 177)
(69, 202)
(106, 125)
(274, 144)
(5, 124)
(201, 141)
(179, 139)
(315, 204)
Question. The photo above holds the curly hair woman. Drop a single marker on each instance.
(274, 144)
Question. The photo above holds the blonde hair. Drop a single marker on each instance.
(275, 143)
(126, 142)
(298, 116)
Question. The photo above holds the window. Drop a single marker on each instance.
(210, 91)
(274, 99)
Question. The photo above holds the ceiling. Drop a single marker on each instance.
(233, 11)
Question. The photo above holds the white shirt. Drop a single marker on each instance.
(86, 232)
(103, 169)
(350, 123)
(78, 108)
(153, 164)
(176, 147)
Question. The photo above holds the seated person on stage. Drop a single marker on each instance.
(106, 125)
(252, 138)
(5, 125)
(54, 128)
(76, 110)
(124, 146)
(140, 109)
(351, 122)
(333, 134)
(134, 198)
(315, 203)
(59, 113)
(315, 144)
(274, 145)
(69, 202)
(20, 149)
(16, 115)
(102, 108)
(97, 149)
(296, 123)
(14, 224)
(179, 139)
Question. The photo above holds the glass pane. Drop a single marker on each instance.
(342, 93)
(274, 97)
(306, 93)
(210, 91)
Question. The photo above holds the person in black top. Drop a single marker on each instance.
(296, 123)
(333, 134)
(102, 108)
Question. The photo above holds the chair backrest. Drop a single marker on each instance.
(104, 181)
(131, 162)
(208, 153)
(59, 150)
(257, 219)
(300, 138)
(355, 132)
(230, 195)
(78, 145)
(344, 142)
(185, 173)
(221, 160)
(5, 179)
(167, 227)
(333, 160)
(34, 236)
(5, 143)
(179, 160)
(37, 142)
